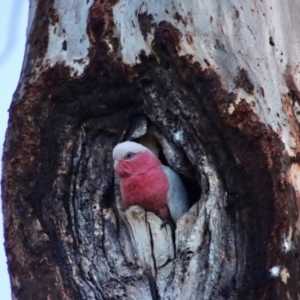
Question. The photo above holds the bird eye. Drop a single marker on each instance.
(129, 155)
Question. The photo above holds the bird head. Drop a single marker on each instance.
(131, 158)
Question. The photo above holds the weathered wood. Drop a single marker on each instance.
(214, 89)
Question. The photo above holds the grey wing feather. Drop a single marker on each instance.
(177, 197)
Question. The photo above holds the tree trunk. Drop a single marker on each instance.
(215, 86)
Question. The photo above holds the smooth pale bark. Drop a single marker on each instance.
(213, 89)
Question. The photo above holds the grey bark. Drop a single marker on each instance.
(98, 73)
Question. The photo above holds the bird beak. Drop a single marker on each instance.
(116, 163)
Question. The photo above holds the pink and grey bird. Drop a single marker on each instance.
(146, 182)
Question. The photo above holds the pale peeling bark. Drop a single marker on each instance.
(213, 89)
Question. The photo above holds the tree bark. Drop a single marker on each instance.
(215, 88)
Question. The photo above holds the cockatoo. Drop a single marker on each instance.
(146, 182)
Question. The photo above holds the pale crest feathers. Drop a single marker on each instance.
(121, 149)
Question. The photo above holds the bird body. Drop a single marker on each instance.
(177, 197)
(148, 183)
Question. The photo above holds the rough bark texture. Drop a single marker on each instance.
(216, 87)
